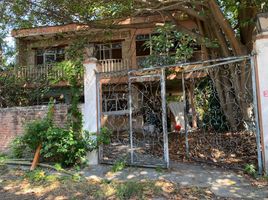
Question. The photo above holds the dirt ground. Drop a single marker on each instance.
(18, 184)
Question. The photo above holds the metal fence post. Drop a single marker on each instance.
(164, 116)
(99, 99)
(185, 117)
(130, 119)
(256, 114)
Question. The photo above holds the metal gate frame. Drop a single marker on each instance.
(218, 62)
(222, 62)
(162, 77)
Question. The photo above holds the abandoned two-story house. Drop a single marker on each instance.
(130, 97)
(118, 51)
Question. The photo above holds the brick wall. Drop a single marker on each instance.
(13, 120)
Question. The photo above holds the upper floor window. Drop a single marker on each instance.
(52, 55)
(109, 51)
(141, 49)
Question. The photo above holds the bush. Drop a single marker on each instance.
(19, 148)
(61, 145)
(35, 133)
(67, 146)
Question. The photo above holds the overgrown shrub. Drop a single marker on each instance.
(19, 148)
(58, 144)
(61, 145)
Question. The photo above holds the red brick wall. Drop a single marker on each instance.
(13, 120)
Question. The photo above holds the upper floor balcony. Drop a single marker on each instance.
(113, 65)
(38, 73)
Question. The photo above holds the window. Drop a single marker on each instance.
(142, 52)
(114, 102)
(109, 51)
(45, 56)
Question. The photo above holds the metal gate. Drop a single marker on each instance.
(221, 113)
(147, 118)
(219, 121)
(132, 106)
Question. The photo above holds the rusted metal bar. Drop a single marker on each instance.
(256, 114)
(130, 121)
(164, 116)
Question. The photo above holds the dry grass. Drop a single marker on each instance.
(16, 184)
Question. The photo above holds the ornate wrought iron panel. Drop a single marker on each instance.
(219, 108)
(114, 115)
(148, 133)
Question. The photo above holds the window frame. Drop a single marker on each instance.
(102, 50)
(47, 52)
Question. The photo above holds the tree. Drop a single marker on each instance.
(229, 22)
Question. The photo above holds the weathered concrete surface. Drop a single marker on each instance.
(223, 183)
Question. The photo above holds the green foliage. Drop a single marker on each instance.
(3, 158)
(18, 147)
(169, 46)
(119, 165)
(208, 107)
(94, 140)
(59, 144)
(14, 93)
(129, 190)
(58, 167)
(73, 73)
(35, 131)
(159, 169)
(250, 169)
(36, 176)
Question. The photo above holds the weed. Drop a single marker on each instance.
(159, 169)
(58, 167)
(129, 190)
(250, 169)
(3, 158)
(36, 176)
(76, 177)
(119, 165)
(52, 178)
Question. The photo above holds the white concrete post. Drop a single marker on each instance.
(90, 106)
(261, 48)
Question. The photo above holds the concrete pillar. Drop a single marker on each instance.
(90, 106)
(261, 48)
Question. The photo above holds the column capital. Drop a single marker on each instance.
(89, 54)
(90, 60)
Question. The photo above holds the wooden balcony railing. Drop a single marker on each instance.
(113, 65)
(39, 72)
(49, 71)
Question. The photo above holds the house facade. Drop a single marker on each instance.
(117, 49)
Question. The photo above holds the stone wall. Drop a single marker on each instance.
(13, 120)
